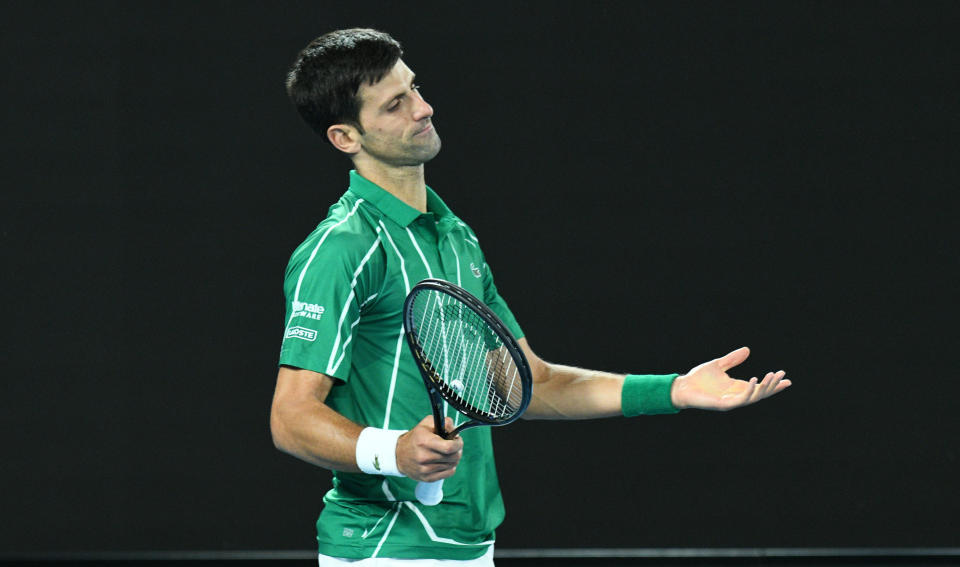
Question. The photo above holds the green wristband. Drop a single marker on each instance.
(647, 394)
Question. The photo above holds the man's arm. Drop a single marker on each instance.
(565, 392)
(304, 426)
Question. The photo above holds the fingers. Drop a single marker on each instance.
(448, 424)
(427, 438)
(745, 392)
(772, 383)
(424, 455)
(734, 358)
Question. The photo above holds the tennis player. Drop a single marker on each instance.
(349, 396)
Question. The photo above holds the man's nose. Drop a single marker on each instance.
(421, 109)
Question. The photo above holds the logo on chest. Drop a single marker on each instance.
(475, 270)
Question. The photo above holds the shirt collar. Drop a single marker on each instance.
(395, 209)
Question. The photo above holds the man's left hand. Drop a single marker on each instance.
(708, 386)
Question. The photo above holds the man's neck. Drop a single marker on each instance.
(404, 183)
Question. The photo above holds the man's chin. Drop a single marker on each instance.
(435, 152)
(428, 153)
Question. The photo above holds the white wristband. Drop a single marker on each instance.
(377, 451)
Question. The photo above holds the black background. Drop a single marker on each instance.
(654, 184)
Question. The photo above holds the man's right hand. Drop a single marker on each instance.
(425, 456)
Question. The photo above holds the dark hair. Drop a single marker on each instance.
(325, 78)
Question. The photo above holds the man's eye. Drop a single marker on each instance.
(415, 87)
(393, 106)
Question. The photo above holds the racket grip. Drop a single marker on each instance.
(429, 493)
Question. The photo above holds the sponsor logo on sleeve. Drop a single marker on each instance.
(475, 270)
(308, 310)
(301, 333)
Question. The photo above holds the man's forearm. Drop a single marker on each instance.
(304, 426)
(567, 392)
(311, 431)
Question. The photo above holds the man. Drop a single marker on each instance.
(348, 396)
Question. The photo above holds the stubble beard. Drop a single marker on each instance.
(412, 154)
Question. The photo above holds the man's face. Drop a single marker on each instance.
(396, 120)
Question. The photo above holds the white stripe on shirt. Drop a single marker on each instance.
(331, 367)
(396, 356)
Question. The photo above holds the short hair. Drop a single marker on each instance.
(325, 78)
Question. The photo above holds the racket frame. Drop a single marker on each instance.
(437, 389)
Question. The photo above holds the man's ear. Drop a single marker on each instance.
(345, 138)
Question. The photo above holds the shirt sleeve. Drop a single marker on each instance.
(497, 304)
(328, 279)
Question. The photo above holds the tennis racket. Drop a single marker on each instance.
(468, 359)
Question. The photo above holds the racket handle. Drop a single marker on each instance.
(429, 493)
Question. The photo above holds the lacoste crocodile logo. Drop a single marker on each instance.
(376, 462)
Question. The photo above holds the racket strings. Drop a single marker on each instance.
(467, 358)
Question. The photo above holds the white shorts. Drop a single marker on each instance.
(485, 560)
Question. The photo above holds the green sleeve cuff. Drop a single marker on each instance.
(647, 394)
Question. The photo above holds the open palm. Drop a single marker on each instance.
(708, 386)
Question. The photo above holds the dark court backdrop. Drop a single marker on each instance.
(655, 184)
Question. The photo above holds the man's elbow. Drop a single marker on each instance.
(278, 430)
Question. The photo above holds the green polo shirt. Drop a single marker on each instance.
(345, 287)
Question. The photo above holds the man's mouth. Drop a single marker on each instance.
(425, 129)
